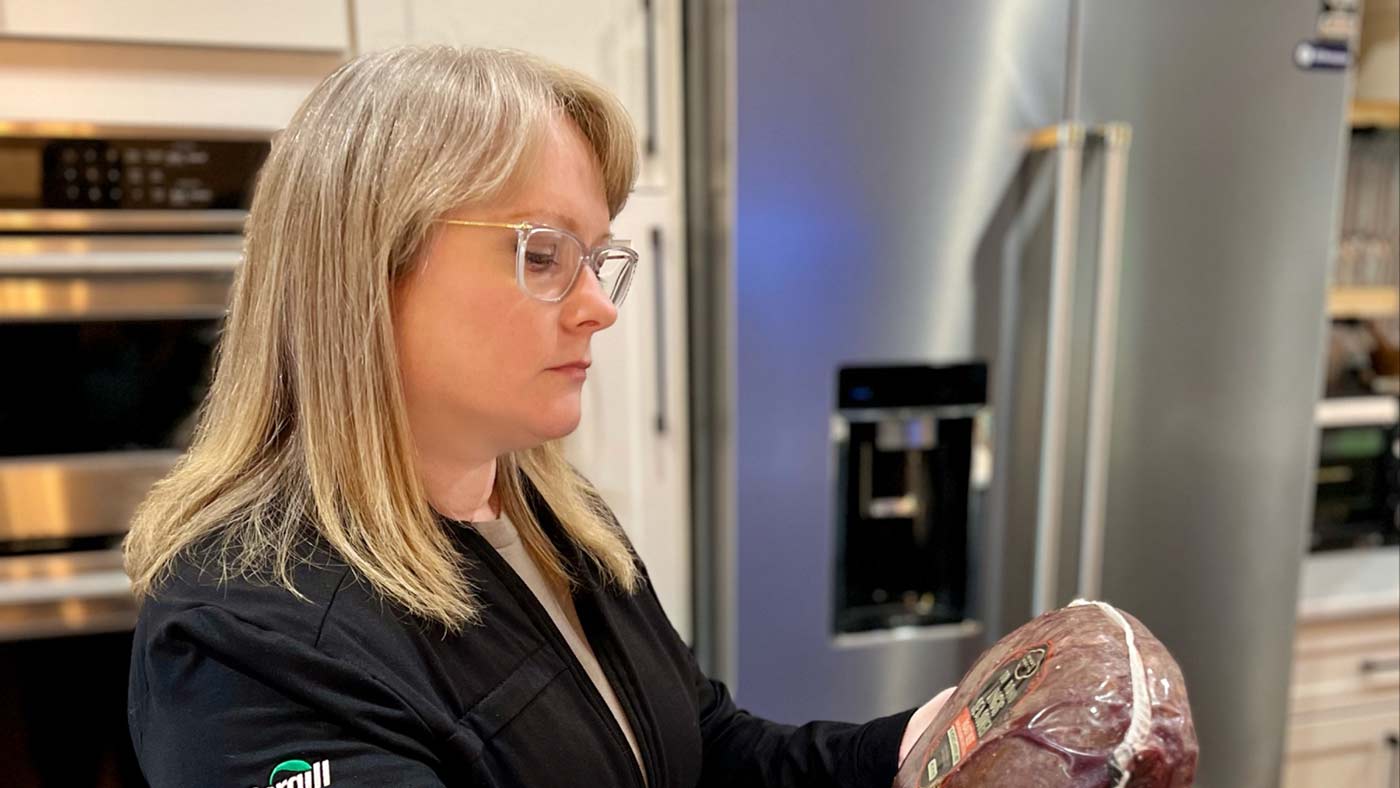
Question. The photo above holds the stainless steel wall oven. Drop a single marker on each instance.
(117, 250)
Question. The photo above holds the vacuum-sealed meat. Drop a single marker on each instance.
(1081, 697)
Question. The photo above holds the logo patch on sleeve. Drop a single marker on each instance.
(300, 774)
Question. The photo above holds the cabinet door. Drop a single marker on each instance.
(1358, 750)
(264, 24)
(630, 46)
(633, 440)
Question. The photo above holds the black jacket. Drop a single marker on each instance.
(231, 681)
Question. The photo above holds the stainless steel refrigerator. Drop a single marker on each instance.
(1126, 209)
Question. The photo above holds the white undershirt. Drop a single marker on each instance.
(502, 535)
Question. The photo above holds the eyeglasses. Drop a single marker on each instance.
(548, 260)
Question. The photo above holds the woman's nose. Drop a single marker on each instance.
(588, 305)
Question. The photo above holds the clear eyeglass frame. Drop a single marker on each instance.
(612, 263)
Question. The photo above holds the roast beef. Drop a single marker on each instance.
(1081, 697)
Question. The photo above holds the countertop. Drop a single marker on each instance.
(1346, 583)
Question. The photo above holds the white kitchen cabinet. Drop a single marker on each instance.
(155, 85)
(245, 65)
(306, 25)
(1344, 718)
(631, 46)
(633, 442)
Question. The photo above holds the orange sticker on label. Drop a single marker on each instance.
(967, 732)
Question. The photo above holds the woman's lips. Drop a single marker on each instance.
(576, 371)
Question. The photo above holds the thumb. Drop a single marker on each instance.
(921, 720)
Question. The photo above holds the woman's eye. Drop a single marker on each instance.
(539, 260)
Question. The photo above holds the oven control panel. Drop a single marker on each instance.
(96, 173)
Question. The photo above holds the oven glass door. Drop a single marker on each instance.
(102, 386)
(104, 375)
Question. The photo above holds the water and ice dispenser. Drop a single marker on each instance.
(903, 446)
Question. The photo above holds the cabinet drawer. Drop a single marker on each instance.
(1343, 663)
(1355, 748)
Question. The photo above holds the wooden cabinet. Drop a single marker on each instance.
(1356, 749)
(1344, 718)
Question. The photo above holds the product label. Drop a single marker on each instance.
(1009, 683)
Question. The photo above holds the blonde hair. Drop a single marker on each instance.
(304, 423)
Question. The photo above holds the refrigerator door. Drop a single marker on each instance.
(876, 148)
(1232, 205)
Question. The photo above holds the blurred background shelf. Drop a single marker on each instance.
(1335, 412)
(1379, 301)
(1374, 114)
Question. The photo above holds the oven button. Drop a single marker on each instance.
(73, 192)
(112, 155)
(132, 155)
(115, 192)
(70, 174)
(178, 197)
(94, 194)
(135, 176)
(92, 174)
(157, 176)
(154, 155)
(90, 155)
(157, 194)
(198, 157)
(70, 156)
(114, 175)
(138, 193)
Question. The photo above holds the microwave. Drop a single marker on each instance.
(1358, 473)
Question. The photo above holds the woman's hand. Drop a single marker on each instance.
(920, 721)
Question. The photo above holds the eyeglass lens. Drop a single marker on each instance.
(552, 258)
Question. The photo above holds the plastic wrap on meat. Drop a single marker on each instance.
(1081, 697)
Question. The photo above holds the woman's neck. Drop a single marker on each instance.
(462, 491)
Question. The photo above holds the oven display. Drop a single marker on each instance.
(84, 174)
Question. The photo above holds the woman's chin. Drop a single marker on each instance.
(559, 423)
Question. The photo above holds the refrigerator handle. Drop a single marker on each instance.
(1117, 138)
(1068, 143)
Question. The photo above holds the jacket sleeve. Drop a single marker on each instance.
(743, 750)
(217, 701)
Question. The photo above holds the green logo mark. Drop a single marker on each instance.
(300, 774)
(295, 767)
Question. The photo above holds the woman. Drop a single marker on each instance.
(373, 566)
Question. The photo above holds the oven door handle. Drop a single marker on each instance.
(49, 590)
(128, 277)
(168, 295)
(56, 594)
(118, 254)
